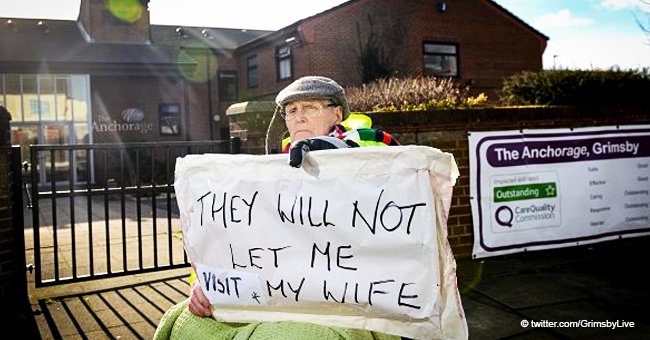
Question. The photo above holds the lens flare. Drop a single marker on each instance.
(125, 10)
(475, 280)
(197, 64)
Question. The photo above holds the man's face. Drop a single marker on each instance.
(311, 118)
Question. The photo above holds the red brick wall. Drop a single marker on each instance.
(7, 239)
(13, 285)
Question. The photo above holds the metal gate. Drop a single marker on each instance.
(106, 210)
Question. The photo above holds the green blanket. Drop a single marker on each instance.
(179, 323)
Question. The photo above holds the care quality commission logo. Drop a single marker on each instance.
(525, 201)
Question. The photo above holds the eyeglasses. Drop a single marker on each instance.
(290, 112)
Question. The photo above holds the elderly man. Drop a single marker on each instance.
(317, 116)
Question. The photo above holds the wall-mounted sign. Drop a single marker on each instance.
(540, 189)
(132, 120)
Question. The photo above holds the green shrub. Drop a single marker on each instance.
(411, 94)
(578, 88)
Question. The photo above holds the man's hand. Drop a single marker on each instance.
(300, 148)
(199, 304)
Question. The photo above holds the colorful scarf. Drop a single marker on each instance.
(357, 137)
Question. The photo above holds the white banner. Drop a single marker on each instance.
(540, 189)
(354, 238)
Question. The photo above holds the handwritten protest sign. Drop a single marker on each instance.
(355, 238)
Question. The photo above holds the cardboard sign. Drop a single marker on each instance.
(355, 238)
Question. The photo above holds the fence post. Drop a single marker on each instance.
(16, 311)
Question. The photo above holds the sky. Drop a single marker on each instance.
(583, 34)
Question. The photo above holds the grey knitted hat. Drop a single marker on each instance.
(314, 87)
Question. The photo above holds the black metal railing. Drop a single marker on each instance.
(105, 210)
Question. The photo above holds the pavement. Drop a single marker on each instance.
(591, 291)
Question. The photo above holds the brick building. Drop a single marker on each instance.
(475, 42)
(111, 76)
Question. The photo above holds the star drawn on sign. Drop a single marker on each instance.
(550, 190)
(256, 297)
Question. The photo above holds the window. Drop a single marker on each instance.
(283, 57)
(34, 108)
(440, 59)
(12, 96)
(252, 71)
(228, 86)
(169, 119)
(50, 109)
(46, 97)
(37, 107)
